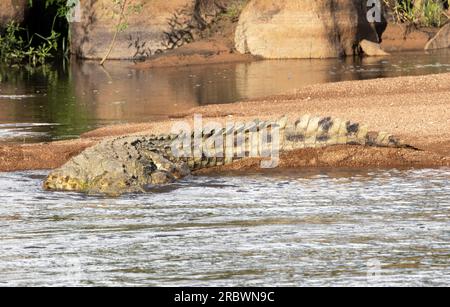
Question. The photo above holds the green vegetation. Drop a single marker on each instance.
(33, 44)
(22, 44)
(433, 13)
(428, 13)
(17, 47)
(233, 11)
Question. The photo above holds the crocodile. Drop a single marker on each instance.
(132, 164)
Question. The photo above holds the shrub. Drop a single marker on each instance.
(433, 13)
(430, 13)
(14, 49)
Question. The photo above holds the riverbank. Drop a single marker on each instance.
(198, 53)
(416, 109)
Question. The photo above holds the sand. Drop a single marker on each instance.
(198, 53)
(417, 109)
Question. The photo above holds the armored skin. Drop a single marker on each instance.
(133, 163)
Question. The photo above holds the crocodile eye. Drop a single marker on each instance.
(150, 168)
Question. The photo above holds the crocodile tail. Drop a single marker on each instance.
(315, 132)
(383, 139)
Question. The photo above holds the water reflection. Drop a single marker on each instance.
(84, 95)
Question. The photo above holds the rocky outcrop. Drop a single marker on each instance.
(95, 22)
(155, 26)
(441, 40)
(12, 10)
(303, 28)
(372, 49)
(401, 37)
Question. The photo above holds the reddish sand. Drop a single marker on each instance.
(417, 109)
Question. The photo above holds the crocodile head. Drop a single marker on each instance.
(115, 167)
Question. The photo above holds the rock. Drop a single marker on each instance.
(95, 23)
(303, 28)
(12, 10)
(372, 49)
(441, 40)
(146, 34)
(400, 37)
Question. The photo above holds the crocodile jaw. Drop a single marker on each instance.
(59, 182)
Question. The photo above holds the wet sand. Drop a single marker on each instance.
(416, 109)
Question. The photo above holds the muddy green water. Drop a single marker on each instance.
(290, 228)
(62, 102)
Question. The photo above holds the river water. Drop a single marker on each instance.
(62, 102)
(318, 227)
(290, 228)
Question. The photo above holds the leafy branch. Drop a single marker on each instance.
(15, 50)
(122, 23)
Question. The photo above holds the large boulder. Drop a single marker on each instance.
(303, 28)
(372, 49)
(12, 10)
(441, 40)
(94, 23)
(401, 37)
(158, 25)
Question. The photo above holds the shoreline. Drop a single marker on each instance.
(198, 53)
(416, 109)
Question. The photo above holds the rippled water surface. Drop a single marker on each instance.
(317, 227)
(61, 103)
